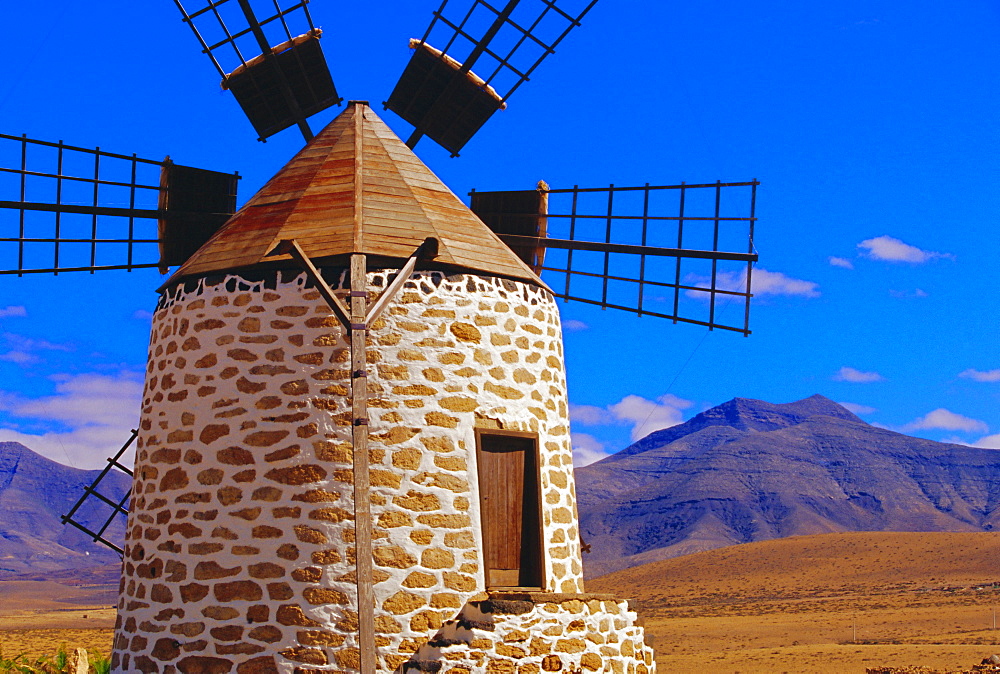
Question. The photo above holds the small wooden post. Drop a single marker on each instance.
(542, 231)
(362, 502)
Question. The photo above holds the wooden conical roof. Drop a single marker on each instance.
(355, 188)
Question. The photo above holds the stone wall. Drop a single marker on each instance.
(240, 552)
(528, 633)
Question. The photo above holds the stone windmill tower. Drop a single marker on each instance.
(246, 545)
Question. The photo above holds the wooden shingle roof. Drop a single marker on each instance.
(355, 188)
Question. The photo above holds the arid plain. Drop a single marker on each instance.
(834, 603)
(828, 603)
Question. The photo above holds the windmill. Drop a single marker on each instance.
(354, 449)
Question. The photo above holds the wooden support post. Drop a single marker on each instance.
(542, 230)
(357, 319)
(362, 502)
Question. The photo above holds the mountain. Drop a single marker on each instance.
(34, 493)
(749, 470)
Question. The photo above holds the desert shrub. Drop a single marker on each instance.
(56, 664)
(24, 665)
(100, 665)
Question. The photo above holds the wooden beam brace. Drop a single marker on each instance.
(291, 247)
(427, 250)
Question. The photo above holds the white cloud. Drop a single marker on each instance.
(12, 311)
(574, 325)
(19, 357)
(86, 448)
(856, 408)
(893, 250)
(841, 262)
(849, 374)
(587, 449)
(978, 375)
(143, 315)
(946, 420)
(647, 416)
(24, 350)
(907, 294)
(96, 411)
(589, 415)
(988, 442)
(762, 282)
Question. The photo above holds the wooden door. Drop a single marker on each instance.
(510, 512)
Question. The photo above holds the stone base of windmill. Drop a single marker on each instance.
(533, 632)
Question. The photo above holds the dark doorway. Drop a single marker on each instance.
(510, 509)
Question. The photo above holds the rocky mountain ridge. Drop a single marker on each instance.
(748, 470)
(35, 493)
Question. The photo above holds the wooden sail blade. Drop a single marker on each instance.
(102, 509)
(441, 95)
(66, 208)
(272, 60)
(682, 252)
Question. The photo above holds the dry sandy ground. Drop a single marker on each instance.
(832, 604)
(37, 616)
(836, 603)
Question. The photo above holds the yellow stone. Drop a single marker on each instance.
(522, 376)
(402, 603)
(466, 332)
(459, 539)
(448, 482)
(397, 435)
(440, 419)
(433, 374)
(406, 458)
(426, 621)
(458, 581)
(419, 579)
(385, 478)
(414, 390)
(458, 403)
(562, 516)
(445, 521)
(438, 444)
(455, 463)
(510, 356)
(436, 558)
(505, 392)
(393, 556)
(421, 536)
(417, 501)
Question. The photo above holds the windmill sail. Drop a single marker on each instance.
(104, 508)
(683, 252)
(438, 92)
(278, 75)
(66, 208)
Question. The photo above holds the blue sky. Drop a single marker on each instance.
(872, 127)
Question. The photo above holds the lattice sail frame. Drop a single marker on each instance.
(119, 508)
(65, 208)
(624, 247)
(271, 60)
(506, 42)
